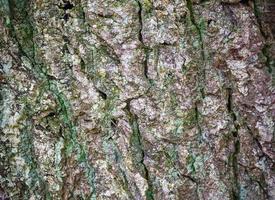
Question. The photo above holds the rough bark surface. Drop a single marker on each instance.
(137, 99)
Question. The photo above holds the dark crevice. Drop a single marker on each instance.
(235, 168)
(113, 124)
(67, 42)
(140, 37)
(204, 1)
(82, 65)
(209, 21)
(233, 158)
(67, 5)
(140, 22)
(265, 191)
(66, 17)
(166, 44)
(123, 180)
(103, 15)
(230, 104)
(83, 16)
(145, 64)
(245, 2)
(268, 61)
(102, 94)
(190, 178)
(138, 152)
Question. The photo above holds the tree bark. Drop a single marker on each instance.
(137, 99)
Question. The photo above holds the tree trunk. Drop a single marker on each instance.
(137, 99)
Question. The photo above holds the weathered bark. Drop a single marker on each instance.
(137, 99)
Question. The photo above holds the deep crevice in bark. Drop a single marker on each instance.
(140, 37)
(233, 159)
(140, 21)
(102, 94)
(145, 64)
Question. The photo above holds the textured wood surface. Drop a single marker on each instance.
(137, 100)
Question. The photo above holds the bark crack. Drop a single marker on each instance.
(233, 159)
(140, 37)
(138, 149)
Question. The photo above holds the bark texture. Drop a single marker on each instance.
(137, 99)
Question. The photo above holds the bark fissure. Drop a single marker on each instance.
(138, 151)
(233, 159)
(140, 37)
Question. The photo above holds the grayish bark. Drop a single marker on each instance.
(137, 99)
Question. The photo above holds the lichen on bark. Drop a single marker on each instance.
(137, 99)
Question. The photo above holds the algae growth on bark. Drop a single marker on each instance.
(137, 99)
